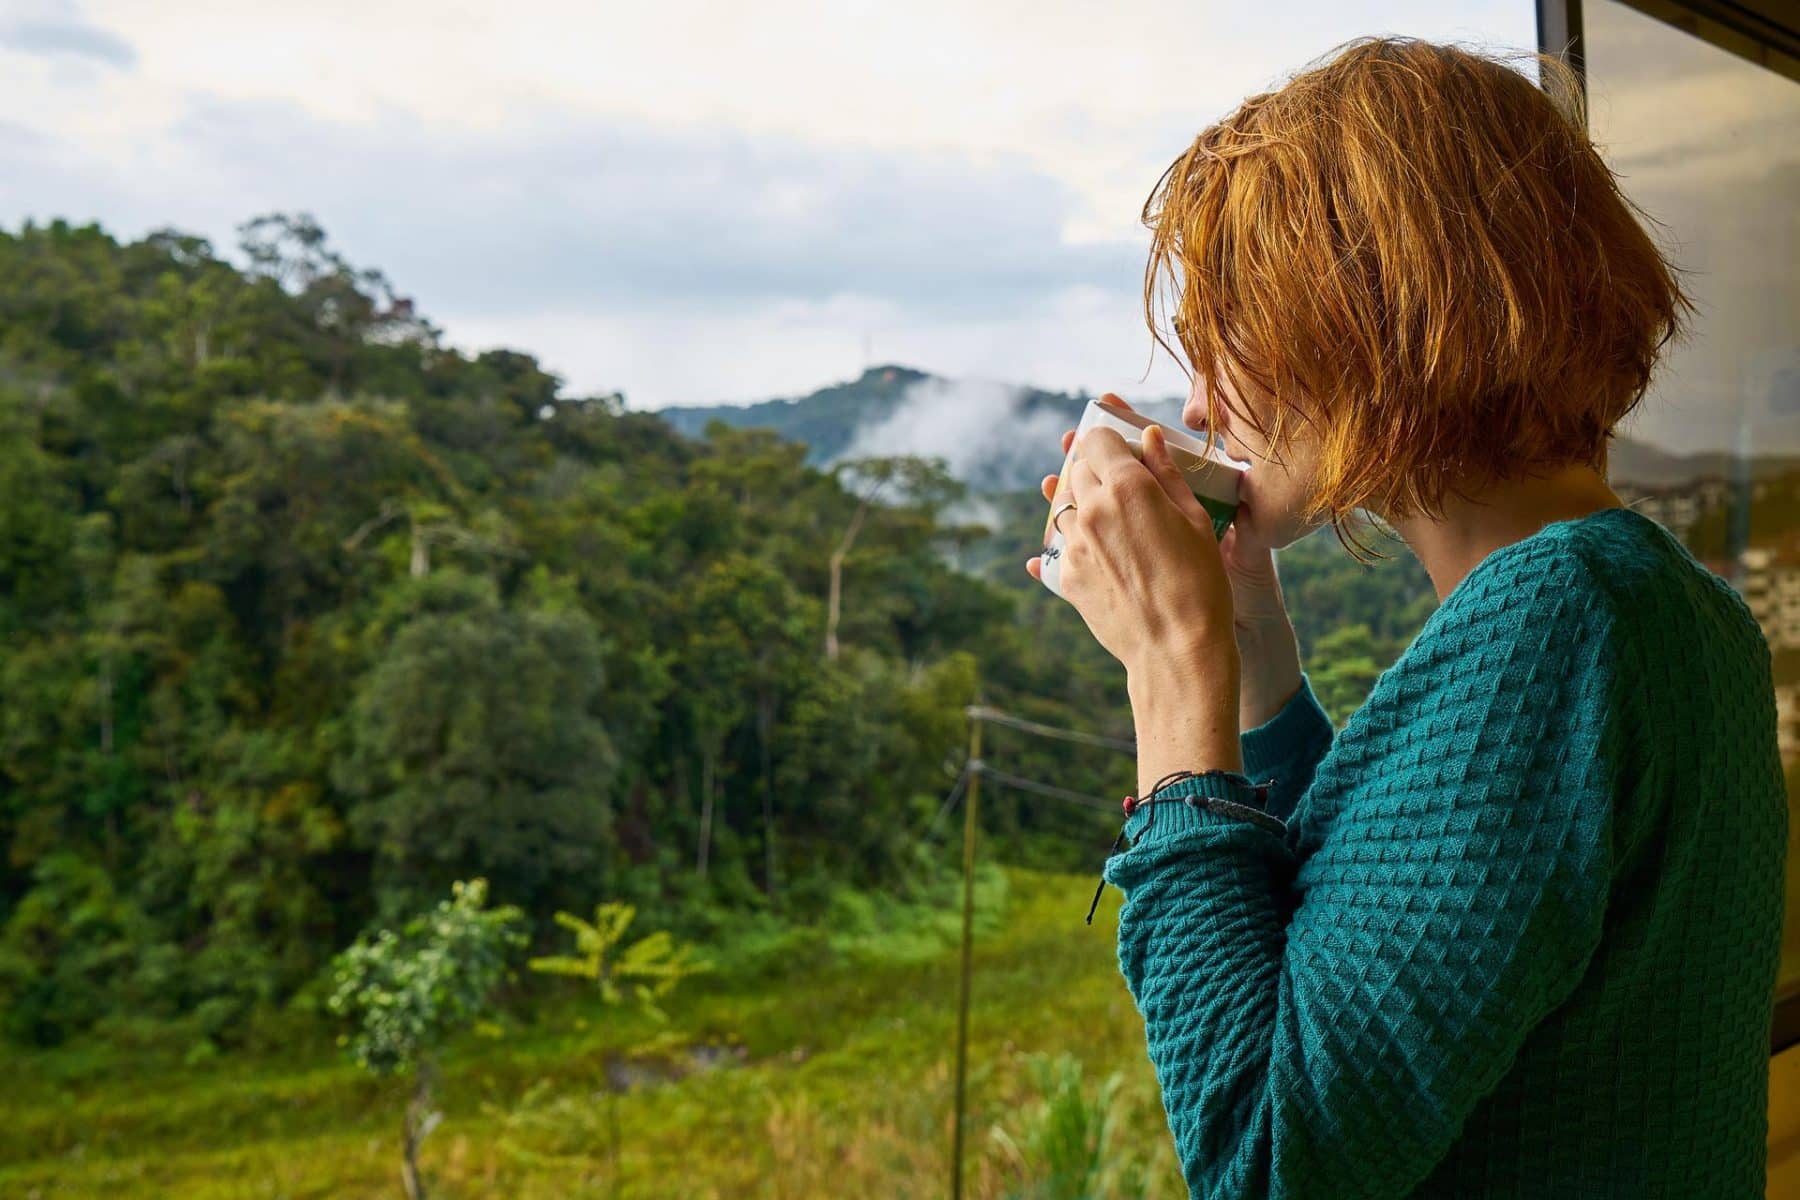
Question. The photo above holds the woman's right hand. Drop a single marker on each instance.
(1267, 645)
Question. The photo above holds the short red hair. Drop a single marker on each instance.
(1419, 250)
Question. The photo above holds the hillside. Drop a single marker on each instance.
(305, 614)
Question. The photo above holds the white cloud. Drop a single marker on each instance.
(968, 423)
(56, 29)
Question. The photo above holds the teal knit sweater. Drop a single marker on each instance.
(1520, 937)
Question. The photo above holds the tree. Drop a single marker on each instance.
(477, 746)
(745, 657)
(640, 975)
(341, 307)
(636, 977)
(920, 481)
(406, 993)
(1344, 669)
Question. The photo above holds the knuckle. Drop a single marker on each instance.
(1127, 495)
(1135, 486)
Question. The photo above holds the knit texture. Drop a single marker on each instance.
(1520, 937)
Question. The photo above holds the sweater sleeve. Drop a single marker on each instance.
(1324, 1028)
(1287, 748)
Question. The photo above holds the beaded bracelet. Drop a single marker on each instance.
(1231, 808)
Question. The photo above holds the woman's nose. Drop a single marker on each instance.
(1193, 415)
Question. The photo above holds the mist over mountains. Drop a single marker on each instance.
(994, 436)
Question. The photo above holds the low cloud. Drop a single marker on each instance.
(57, 29)
(993, 436)
(980, 429)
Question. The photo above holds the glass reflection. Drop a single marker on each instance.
(1705, 142)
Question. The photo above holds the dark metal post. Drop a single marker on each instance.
(968, 943)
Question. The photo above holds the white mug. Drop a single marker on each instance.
(1210, 472)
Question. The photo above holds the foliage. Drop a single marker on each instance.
(642, 973)
(633, 978)
(304, 615)
(1069, 1144)
(405, 992)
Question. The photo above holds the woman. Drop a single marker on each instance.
(1513, 930)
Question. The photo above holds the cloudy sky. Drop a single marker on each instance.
(691, 202)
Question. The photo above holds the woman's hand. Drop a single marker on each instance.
(1269, 652)
(1141, 564)
(1157, 579)
(1142, 567)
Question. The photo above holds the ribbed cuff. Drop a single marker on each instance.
(1171, 818)
(1301, 727)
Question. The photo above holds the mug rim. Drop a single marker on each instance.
(1177, 439)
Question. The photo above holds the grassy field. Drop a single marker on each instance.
(836, 1081)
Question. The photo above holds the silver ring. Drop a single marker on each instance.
(1067, 506)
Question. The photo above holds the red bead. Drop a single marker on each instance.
(1130, 805)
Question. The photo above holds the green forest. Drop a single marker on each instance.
(306, 615)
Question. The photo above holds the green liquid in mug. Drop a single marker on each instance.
(1222, 514)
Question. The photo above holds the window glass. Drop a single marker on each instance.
(1704, 142)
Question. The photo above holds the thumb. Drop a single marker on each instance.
(1174, 483)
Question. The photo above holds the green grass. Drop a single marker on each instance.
(844, 1088)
